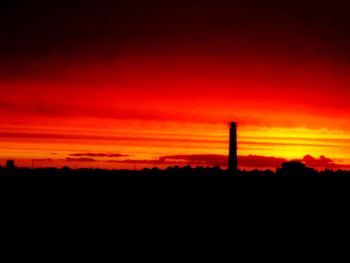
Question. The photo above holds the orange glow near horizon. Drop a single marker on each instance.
(167, 106)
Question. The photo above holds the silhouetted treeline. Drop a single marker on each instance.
(169, 172)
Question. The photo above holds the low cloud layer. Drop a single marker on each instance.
(209, 160)
(212, 160)
(251, 161)
(322, 163)
(94, 155)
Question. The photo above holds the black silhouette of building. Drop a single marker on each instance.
(232, 159)
(10, 165)
(295, 169)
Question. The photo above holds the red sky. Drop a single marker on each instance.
(159, 84)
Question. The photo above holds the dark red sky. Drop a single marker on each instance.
(173, 68)
(297, 30)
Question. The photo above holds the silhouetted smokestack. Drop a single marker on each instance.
(232, 159)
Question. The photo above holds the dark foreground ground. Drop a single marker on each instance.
(170, 172)
(191, 187)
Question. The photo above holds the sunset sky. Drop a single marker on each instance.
(134, 84)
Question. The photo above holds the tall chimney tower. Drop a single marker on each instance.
(232, 159)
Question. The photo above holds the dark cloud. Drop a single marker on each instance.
(108, 155)
(322, 163)
(254, 161)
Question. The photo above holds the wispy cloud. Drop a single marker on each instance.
(106, 155)
(152, 162)
(83, 160)
(206, 160)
